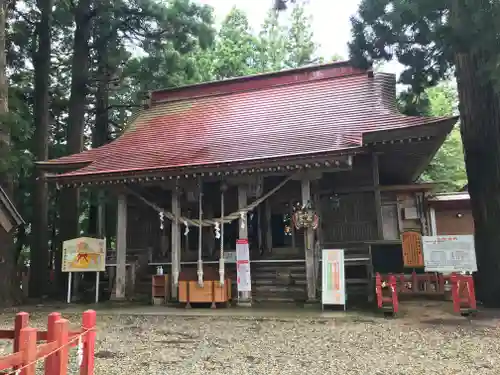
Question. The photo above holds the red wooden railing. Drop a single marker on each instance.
(392, 301)
(54, 352)
(464, 294)
(429, 284)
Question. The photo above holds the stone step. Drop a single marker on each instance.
(278, 276)
(274, 268)
(278, 288)
(279, 282)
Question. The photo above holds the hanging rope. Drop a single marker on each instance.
(212, 222)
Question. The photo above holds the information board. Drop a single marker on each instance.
(244, 279)
(333, 278)
(84, 254)
(446, 254)
(229, 256)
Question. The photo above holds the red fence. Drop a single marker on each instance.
(54, 352)
(430, 284)
(391, 302)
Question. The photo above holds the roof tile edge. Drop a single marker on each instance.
(257, 81)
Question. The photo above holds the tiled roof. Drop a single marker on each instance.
(323, 109)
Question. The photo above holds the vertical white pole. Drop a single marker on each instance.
(68, 298)
(309, 244)
(221, 256)
(246, 297)
(175, 242)
(433, 221)
(97, 277)
(121, 248)
(200, 235)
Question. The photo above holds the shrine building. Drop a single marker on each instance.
(201, 166)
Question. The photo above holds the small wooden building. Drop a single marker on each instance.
(451, 213)
(202, 166)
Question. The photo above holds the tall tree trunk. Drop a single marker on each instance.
(480, 127)
(39, 254)
(7, 252)
(70, 197)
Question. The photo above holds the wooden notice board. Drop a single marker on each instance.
(412, 249)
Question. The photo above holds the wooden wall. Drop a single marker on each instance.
(354, 219)
(448, 222)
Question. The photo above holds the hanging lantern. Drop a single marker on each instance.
(304, 216)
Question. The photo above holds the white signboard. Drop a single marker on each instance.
(446, 254)
(229, 256)
(333, 275)
(243, 266)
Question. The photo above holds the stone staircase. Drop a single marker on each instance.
(278, 282)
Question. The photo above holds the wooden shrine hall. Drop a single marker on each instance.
(201, 166)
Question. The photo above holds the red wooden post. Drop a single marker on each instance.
(414, 282)
(21, 321)
(27, 343)
(472, 293)
(378, 289)
(441, 283)
(88, 323)
(51, 361)
(394, 293)
(455, 292)
(62, 333)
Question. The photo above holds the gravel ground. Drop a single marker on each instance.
(417, 343)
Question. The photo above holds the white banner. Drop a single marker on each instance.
(243, 266)
(333, 276)
(446, 254)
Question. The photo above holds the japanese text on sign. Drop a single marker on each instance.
(448, 254)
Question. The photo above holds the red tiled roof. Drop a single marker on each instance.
(314, 110)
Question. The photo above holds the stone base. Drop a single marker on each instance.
(244, 303)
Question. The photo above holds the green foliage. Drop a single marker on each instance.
(448, 167)
(272, 44)
(300, 46)
(425, 35)
(236, 48)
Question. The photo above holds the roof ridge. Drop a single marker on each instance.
(228, 93)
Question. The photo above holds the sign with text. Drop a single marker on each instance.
(243, 266)
(448, 254)
(84, 254)
(412, 249)
(229, 256)
(333, 275)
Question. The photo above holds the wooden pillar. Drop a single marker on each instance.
(175, 238)
(121, 248)
(246, 297)
(309, 244)
(292, 227)
(269, 227)
(378, 199)
(432, 213)
(101, 214)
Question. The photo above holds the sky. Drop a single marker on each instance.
(331, 24)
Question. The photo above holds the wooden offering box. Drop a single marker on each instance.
(160, 292)
(211, 292)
